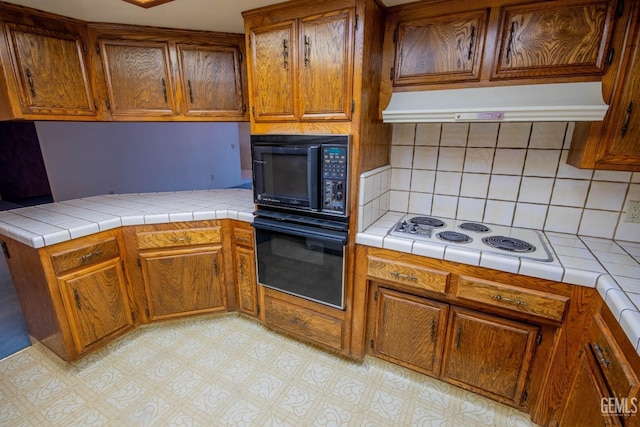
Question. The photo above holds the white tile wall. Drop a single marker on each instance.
(511, 174)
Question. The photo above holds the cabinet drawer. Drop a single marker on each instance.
(419, 277)
(523, 300)
(243, 237)
(303, 322)
(172, 238)
(85, 255)
(617, 372)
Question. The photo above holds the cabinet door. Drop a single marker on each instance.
(97, 304)
(488, 354)
(584, 407)
(211, 81)
(51, 71)
(326, 67)
(187, 281)
(138, 78)
(440, 49)
(409, 330)
(274, 59)
(554, 38)
(246, 274)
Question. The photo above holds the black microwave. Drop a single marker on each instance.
(301, 172)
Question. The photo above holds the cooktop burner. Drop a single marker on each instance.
(474, 226)
(428, 221)
(454, 236)
(509, 244)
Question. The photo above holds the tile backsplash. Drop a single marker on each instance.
(512, 174)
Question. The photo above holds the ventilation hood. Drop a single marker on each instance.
(562, 102)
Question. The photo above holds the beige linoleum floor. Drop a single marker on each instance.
(228, 370)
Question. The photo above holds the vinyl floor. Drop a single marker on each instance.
(228, 370)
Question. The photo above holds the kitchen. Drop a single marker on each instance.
(524, 160)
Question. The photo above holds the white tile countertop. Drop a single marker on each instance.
(52, 223)
(611, 266)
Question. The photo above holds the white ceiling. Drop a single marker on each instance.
(210, 15)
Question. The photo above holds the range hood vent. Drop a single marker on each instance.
(557, 102)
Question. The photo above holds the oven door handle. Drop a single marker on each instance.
(302, 231)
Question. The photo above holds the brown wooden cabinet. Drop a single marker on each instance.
(606, 387)
(545, 39)
(302, 68)
(614, 143)
(437, 49)
(245, 270)
(182, 269)
(47, 68)
(170, 74)
(409, 330)
(138, 78)
(74, 295)
(488, 354)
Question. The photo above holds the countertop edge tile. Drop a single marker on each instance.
(369, 240)
(630, 323)
(618, 302)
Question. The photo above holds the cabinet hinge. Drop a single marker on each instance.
(249, 37)
(375, 295)
(244, 108)
(97, 48)
(253, 111)
(353, 106)
(5, 250)
(133, 316)
(371, 344)
(95, 104)
(356, 24)
(240, 55)
(539, 339)
(215, 267)
(84, 48)
(620, 8)
(392, 73)
(139, 262)
(525, 396)
(146, 311)
(395, 35)
(610, 55)
(108, 104)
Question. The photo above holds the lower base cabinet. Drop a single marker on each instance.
(479, 352)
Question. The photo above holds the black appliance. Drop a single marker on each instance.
(301, 255)
(306, 173)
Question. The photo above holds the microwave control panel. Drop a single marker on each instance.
(334, 178)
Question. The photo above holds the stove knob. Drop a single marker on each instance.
(413, 229)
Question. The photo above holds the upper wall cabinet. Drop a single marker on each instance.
(46, 69)
(302, 66)
(483, 42)
(439, 49)
(614, 143)
(153, 74)
(554, 38)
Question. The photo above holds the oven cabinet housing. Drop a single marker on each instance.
(444, 43)
(182, 269)
(301, 62)
(170, 75)
(614, 143)
(512, 338)
(74, 295)
(245, 268)
(607, 378)
(47, 68)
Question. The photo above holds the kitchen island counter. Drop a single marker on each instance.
(611, 266)
(48, 224)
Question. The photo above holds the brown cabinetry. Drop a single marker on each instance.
(47, 68)
(173, 75)
(606, 387)
(614, 143)
(302, 68)
(429, 44)
(182, 270)
(245, 270)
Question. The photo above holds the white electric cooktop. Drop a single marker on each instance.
(507, 241)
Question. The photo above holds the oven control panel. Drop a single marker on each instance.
(334, 178)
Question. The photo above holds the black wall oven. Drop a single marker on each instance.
(301, 225)
(301, 256)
